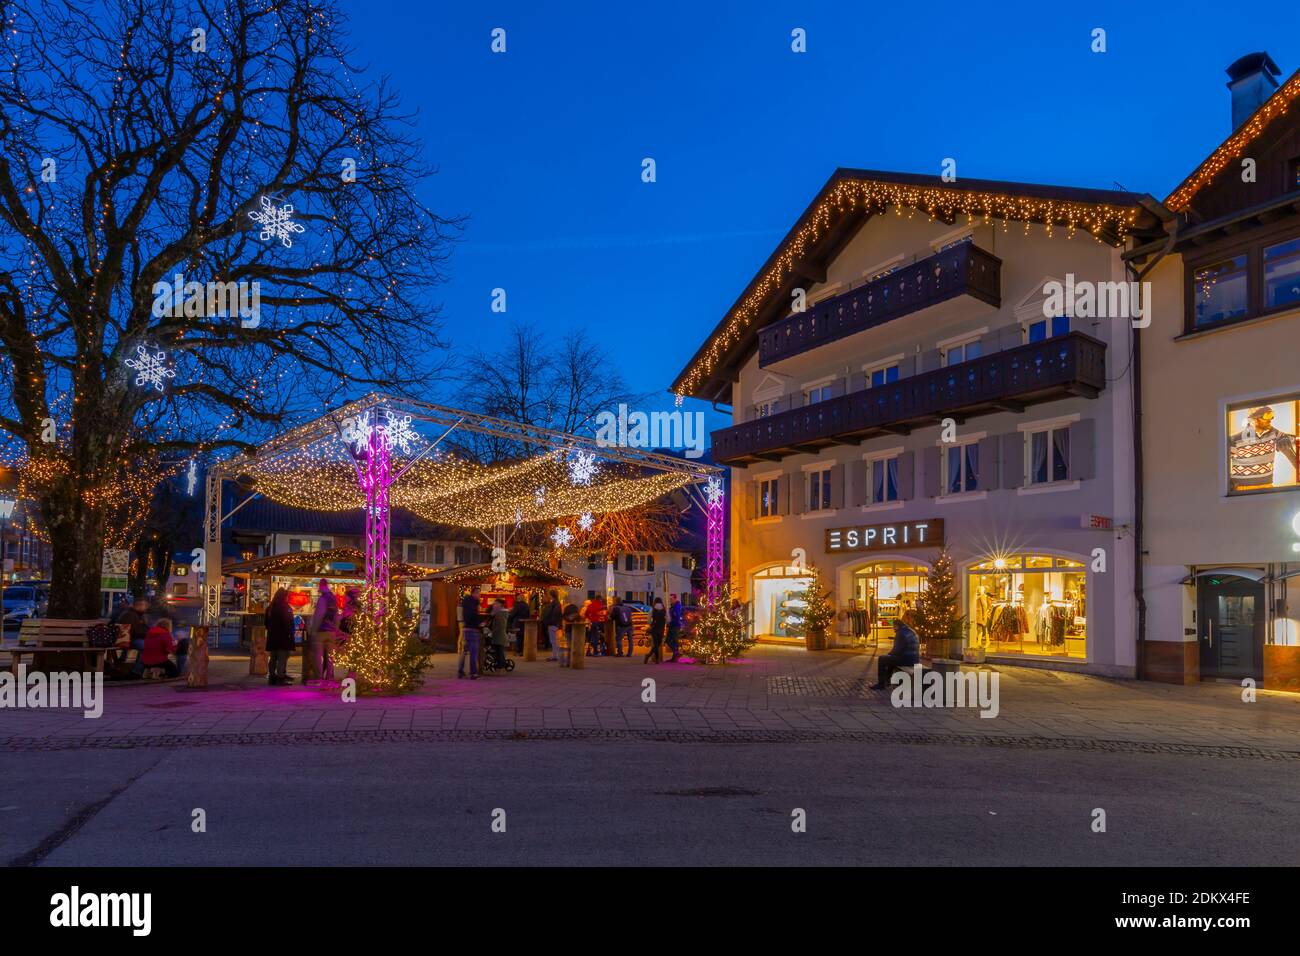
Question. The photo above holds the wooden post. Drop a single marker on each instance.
(530, 639)
(608, 627)
(198, 663)
(257, 656)
(577, 645)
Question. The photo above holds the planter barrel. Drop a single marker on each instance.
(530, 639)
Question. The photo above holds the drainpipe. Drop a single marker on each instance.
(1139, 592)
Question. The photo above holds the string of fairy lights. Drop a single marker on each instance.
(1234, 147)
(947, 202)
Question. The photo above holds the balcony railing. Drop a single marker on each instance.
(964, 269)
(1071, 364)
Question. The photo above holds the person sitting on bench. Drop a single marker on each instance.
(158, 644)
(905, 653)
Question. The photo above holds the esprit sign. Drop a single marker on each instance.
(878, 537)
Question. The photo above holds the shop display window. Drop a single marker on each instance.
(1030, 604)
(1262, 446)
(881, 592)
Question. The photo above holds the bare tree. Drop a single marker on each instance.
(138, 141)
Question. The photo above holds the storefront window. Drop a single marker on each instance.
(777, 611)
(1262, 446)
(881, 592)
(1029, 604)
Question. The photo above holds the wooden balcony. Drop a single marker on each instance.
(964, 269)
(1011, 380)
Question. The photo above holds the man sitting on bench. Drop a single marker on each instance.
(905, 653)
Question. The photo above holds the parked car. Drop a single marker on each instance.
(22, 601)
(637, 607)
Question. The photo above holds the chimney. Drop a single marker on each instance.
(1252, 80)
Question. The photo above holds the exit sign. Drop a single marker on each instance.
(1096, 523)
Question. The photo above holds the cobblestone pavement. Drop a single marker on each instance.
(775, 694)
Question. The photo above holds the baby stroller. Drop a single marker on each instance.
(495, 659)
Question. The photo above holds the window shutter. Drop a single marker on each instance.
(1013, 460)
(857, 381)
(907, 366)
(990, 342)
(782, 494)
(838, 387)
(1083, 449)
(1011, 336)
(930, 360)
(798, 497)
(930, 471)
(906, 478)
(988, 476)
(837, 486)
(858, 479)
(751, 508)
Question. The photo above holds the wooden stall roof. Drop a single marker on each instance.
(526, 575)
(318, 564)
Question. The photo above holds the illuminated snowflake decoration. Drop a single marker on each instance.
(276, 222)
(562, 537)
(586, 521)
(519, 517)
(582, 468)
(397, 432)
(539, 496)
(191, 477)
(150, 367)
(677, 400)
(713, 491)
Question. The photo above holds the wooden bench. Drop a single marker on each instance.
(57, 644)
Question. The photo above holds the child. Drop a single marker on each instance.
(158, 644)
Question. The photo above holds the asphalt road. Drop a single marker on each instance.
(632, 802)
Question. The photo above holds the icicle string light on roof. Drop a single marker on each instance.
(1235, 145)
(934, 201)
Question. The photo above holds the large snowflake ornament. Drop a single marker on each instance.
(150, 367)
(539, 495)
(397, 431)
(582, 468)
(276, 222)
(713, 491)
(586, 521)
(562, 537)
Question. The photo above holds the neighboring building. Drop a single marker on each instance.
(1221, 402)
(925, 304)
(637, 577)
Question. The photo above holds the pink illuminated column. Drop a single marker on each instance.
(375, 481)
(715, 573)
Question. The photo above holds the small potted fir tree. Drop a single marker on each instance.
(818, 611)
(939, 621)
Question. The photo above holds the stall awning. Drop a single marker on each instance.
(334, 562)
(1250, 574)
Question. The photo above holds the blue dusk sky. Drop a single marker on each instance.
(541, 147)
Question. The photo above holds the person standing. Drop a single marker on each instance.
(322, 629)
(518, 615)
(658, 618)
(622, 616)
(572, 620)
(553, 620)
(500, 632)
(279, 638)
(471, 623)
(676, 621)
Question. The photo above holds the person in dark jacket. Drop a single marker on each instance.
(658, 620)
(471, 624)
(279, 637)
(676, 621)
(518, 614)
(552, 620)
(905, 653)
(621, 615)
(137, 619)
(571, 621)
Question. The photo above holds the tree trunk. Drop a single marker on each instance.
(77, 540)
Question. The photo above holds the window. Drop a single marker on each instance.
(819, 489)
(1220, 291)
(1047, 455)
(414, 553)
(1282, 274)
(181, 588)
(462, 554)
(180, 570)
(818, 393)
(591, 562)
(686, 562)
(1029, 604)
(439, 553)
(768, 489)
(310, 544)
(1262, 446)
(882, 376)
(884, 479)
(649, 562)
(767, 408)
(961, 468)
(962, 352)
(1038, 331)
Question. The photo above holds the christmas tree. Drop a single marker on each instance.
(938, 606)
(816, 610)
(720, 632)
(383, 651)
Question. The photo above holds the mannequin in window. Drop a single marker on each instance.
(1252, 451)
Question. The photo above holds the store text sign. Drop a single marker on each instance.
(879, 537)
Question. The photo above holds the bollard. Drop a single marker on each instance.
(577, 645)
(530, 639)
(198, 663)
(258, 659)
(608, 627)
